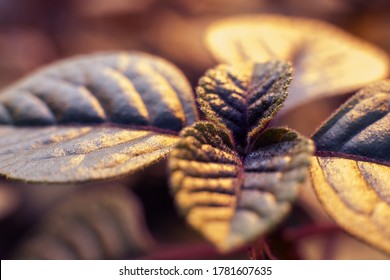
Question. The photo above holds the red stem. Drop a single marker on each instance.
(267, 251)
(261, 250)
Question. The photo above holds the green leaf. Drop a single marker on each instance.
(244, 97)
(326, 60)
(232, 200)
(98, 223)
(93, 117)
(351, 172)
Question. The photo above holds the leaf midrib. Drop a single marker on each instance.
(333, 154)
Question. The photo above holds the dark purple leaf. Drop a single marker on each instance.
(93, 117)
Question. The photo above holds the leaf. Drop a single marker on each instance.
(351, 172)
(9, 201)
(94, 224)
(244, 97)
(326, 60)
(93, 117)
(229, 199)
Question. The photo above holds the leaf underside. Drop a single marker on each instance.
(103, 224)
(229, 199)
(92, 117)
(351, 172)
(326, 60)
(244, 97)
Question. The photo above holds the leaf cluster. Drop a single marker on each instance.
(233, 178)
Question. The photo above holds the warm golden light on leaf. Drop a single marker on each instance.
(356, 196)
(233, 200)
(233, 179)
(326, 60)
(351, 172)
(244, 97)
(63, 154)
(93, 117)
(88, 142)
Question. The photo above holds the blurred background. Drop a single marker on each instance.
(45, 221)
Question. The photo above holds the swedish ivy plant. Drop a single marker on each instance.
(232, 176)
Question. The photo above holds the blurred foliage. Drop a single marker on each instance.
(37, 32)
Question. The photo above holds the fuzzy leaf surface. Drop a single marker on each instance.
(351, 172)
(229, 199)
(92, 117)
(94, 224)
(244, 97)
(327, 61)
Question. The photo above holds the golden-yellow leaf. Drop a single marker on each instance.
(326, 60)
